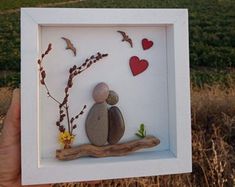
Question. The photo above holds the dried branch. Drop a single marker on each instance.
(63, 106)
(73, 72)
(75, 118)
(49, 94)
(43, 73)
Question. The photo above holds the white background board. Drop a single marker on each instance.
(143, 98)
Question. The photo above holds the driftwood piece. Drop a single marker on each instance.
(108, 150)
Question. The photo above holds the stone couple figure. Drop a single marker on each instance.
(104, 124)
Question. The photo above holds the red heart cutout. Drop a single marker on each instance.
(138, 66)
(146, 44)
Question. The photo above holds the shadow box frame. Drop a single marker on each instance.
(176, 159)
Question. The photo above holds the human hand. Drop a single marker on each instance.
(10, 167)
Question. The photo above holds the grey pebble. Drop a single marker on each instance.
(97, 124)
(116, 125)
(100, 92)
(112, 98)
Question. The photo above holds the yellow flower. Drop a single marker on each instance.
(66, 138)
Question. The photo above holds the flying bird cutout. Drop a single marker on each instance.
(70, 45)
(126, 38)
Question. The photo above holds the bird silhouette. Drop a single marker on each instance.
(126, 38)
(70, 45)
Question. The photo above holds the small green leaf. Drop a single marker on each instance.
(140, 131)
(139, 135)
(142, 127)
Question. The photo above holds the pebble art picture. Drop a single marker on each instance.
(105, 122)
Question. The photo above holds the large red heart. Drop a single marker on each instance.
(146, 44)
(138, 66)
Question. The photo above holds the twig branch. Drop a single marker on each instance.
(67, 114)
(49, 94)
(63, 106)
(73, 72)
(76, 118)
(42, 73)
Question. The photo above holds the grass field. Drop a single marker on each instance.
(16, 4)
(213, 143)
(211, 27)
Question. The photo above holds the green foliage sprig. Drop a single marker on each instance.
(141, 132)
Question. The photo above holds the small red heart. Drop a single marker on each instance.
(146, 44)
(138, 66)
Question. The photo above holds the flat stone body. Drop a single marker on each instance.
(97, 124)
(116, 125)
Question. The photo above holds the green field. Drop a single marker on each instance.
(212, 28)
(14, 4)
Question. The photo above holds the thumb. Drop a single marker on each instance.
(11, 127)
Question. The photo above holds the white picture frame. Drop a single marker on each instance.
(177, 158)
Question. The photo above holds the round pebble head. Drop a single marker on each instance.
(100, 92)
(112, 98)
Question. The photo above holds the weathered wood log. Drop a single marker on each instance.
(107, 150)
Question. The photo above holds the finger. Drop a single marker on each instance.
(14, 110)
(11, 127)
